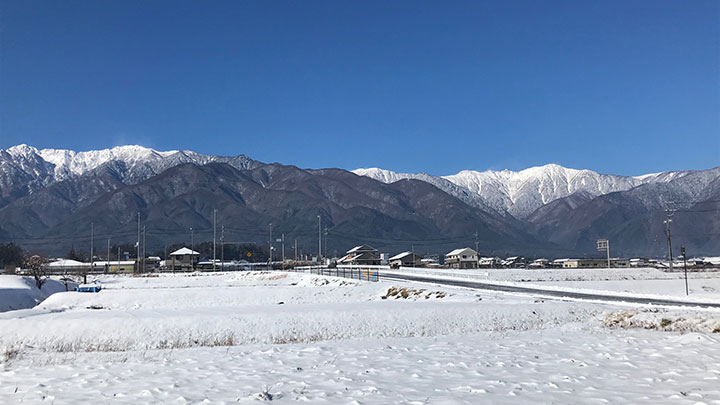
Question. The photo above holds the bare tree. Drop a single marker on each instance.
(36, 265)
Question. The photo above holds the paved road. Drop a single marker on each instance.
(481, 285)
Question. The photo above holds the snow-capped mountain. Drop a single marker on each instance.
(51, 195)
(521, 193)
(459, 191)
(68, 163)
(24, 168)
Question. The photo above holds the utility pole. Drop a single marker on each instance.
(283, 250)
(137, 247)
(682, 250)
(92, 239)
(319, 239)
(668, 220)
(143, 250)
(271, 245)
(296, 252)
(222, 248)
(107, 268)
(192, 247)
(214, 235)
(477, 244)
(326, 244)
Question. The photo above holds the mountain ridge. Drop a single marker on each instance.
(522, 192)
(45, 193)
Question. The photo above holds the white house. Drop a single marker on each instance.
(363, 255)
(406, 259)
(182, 259)
(489, 262)
(464, 258)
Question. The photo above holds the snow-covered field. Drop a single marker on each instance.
(702, 285)
(245, 336)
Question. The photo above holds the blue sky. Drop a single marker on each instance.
(625, 87)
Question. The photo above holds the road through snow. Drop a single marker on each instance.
(546, 292)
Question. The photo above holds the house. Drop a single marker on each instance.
(558, 263)
(430, 262)
(362, 255)
(66, 266)
(489, 262)
(182, 259)
(114, 266)
(618, 262)
(464, 258)
(514, 262)
(405, 259)
(585, 263)
(539, 264)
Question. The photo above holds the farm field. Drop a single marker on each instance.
(229, 337)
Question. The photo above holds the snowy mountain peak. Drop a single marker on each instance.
(522, 192)
(68, 162)
(386, 176)
(26, 168)
(21, 150)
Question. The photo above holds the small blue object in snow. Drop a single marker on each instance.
(88, 288)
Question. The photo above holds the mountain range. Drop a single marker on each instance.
(49, 198)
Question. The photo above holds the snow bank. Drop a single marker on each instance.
(18, 292)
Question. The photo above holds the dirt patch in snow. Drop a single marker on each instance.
(412, 294)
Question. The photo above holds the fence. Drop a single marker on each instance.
(367, 273)
(373, 273)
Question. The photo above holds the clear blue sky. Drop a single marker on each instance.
(624, 87)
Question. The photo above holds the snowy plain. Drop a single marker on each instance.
(248, 336)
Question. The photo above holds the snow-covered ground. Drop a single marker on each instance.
(19, 292)
(245, 336)
(703, 285)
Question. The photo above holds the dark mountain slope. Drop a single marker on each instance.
(356, 209)
(633, 219)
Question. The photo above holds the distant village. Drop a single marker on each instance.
(186, 259)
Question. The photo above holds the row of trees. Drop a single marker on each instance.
(11, 256)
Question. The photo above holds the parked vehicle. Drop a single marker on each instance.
(94, 288)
